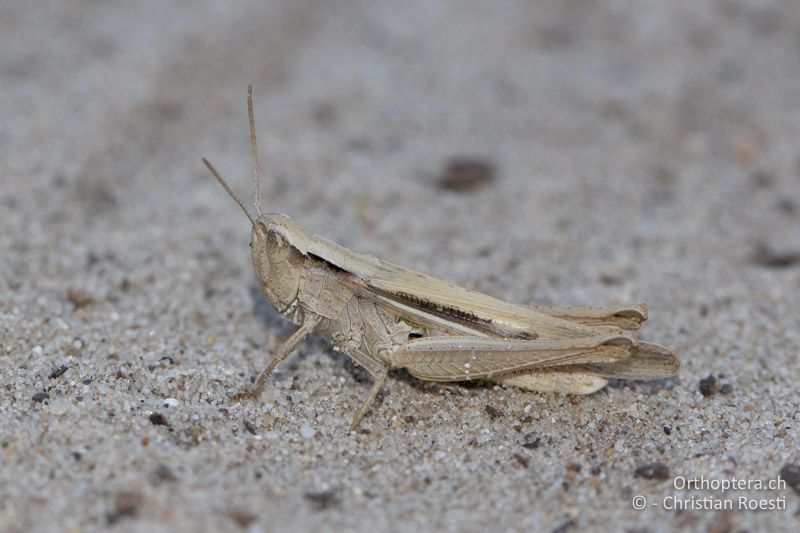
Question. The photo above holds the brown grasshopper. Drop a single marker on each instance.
(385, 316)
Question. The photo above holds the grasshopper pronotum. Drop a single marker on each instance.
(384, 316)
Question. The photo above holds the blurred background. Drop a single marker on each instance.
(581, 152)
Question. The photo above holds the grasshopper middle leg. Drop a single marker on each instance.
(380, 379)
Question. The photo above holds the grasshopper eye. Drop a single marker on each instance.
(278, 247)
(276, 240)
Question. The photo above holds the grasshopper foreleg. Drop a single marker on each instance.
(284, 350)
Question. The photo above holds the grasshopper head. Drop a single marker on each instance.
(277, 246)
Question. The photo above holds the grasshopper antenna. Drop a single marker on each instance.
(227, 189)
(254, 151)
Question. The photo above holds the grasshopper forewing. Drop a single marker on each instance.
(384, 316)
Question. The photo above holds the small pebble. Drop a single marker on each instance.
(726, 388)
(242, 518)
(322, 500)
(171, 402)
(40, 397)
(58, 372)
(466, 174)
(522, 460)
(791, 474)
(249, 427)
(157, 419)
(162, 474)
(493, 412)
(765, 256)
(126, 504)
(532, 443)
(709, 386)
(79, 298)
(652, 471)
(307, 431)
(564, 526)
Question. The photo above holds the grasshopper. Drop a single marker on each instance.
(385, 317)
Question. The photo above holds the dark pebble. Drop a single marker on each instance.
(522, 460)
(786, 206)
(767, 257)
(532, 443)
(58, 372)
(322, 500)
(249, 427)
(79, 299)
(726, 388)
(466, 174)
(324, 114)
(242, 518)
(668, 430)
(791, 474)
(40, 397)
(763, 178)
(157, 419)
(162, 474)
(709, 386)
(611, 279)
(493, 412)
(564, 526)
(652, 471)
(126, 504)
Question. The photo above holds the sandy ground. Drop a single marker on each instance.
(641, 151)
